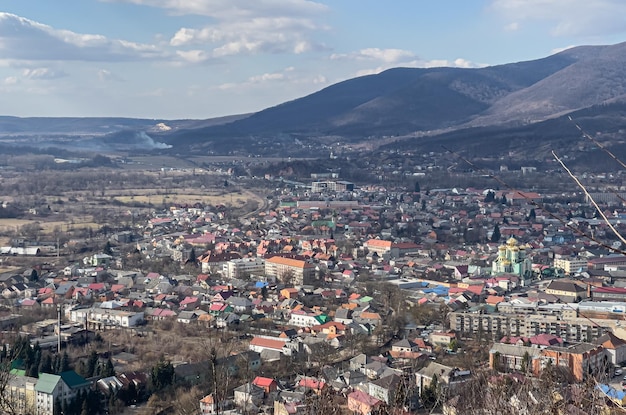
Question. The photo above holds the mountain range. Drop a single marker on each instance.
(405, 106)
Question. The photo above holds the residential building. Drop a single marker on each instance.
(379, 246)
(52, 388)
(362, 403)
(243, 267)
(385, 388)
(495, 325)
(448, 377)
(104, 317)
(569, 291)
(20, 393)
(289, 270)
(571, 265)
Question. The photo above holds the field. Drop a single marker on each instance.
(181, 196)
(46, 227)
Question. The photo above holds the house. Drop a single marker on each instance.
(385, 388)
(362, 403)
(448, 377)
(249, 396)
(267, 384)
(301, 318)
(260, 344)
(207, 405)
(614, 346)
(441, 338)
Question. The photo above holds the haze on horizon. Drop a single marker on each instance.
(208, 58)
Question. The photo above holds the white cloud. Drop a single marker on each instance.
(263, 34)
(104, 75)
(393, 58)
(288, 75)
(193, 56)
(24, 39)
(43, 73)
(10, 80)
(245, 26)
(231, 9)
(565, 17)
(383, 55)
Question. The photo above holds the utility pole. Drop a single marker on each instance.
(59, 329)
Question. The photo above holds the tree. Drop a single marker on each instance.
(417, 187)
(495, 236)
(490, 197)
(108, 249)
(162, 374)
(92, 364)
(503, 199)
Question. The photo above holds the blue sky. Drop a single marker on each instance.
(207, 58)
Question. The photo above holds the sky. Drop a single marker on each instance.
(198, 59)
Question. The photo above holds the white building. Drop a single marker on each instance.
(243, 267)
(107, 317)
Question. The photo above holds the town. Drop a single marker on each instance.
(318, 295)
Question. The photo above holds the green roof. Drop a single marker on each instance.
(366, 299)
(47, 383)
(18, 372)
(74, 380)
(18, 364)
(318, 223)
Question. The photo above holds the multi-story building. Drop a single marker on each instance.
(571, 265)
(499, 325)
(52, 389)
(580, 359)
(243, 267)
(298, 271)
(379, 246)
(332, 185)
(20, 393)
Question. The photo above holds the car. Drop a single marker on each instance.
(618, 371)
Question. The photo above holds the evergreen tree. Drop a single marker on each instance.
(162, 374)
(192, 256)
(65, 363)
(495, 236)
(417, 187)
(92, 364)
(532, 215)
(108, 369)
(490, 197)
(108, 249)
(46, 364)
(503, 199)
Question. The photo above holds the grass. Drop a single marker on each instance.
(47, 227)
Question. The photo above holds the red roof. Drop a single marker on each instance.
(268, 343)
(363, 397)
(263, 382)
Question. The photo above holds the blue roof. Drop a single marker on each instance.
(260, 284)
(612, 392)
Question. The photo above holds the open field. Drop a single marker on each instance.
(183, 196)
(47, 227)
